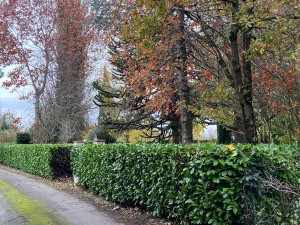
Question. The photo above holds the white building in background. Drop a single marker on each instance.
(210, 132)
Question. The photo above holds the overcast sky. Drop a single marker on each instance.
(9, 102)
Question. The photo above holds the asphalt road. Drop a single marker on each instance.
(27, 201)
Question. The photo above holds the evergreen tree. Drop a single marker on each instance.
(107, 107)
(4, 124)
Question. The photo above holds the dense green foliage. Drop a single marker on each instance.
(23, 138)
(198, 184)
(35, 159)
(191, 184)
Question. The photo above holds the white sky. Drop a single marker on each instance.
(6, 94)
(9, 102)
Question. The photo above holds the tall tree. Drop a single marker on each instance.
(27, 42)
(186, 117)
(103, 85)
(227, 40)
(153, 35)
(107, 106)
(71, 72)
(47, 44)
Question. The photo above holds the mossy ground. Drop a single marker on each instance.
(33, 211)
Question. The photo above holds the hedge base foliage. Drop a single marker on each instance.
(47, 161)
(197, 184)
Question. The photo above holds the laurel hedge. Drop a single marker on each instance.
(197, 184)
(47, 161)
(190, 184)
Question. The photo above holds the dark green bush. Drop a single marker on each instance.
(197, 184)
(44, 160)
(23, 138)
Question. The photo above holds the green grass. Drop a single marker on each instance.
(35, 212)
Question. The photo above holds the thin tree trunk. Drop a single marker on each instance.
(37, 119)
(287, 130)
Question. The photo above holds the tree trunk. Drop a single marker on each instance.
(242, 78)
(186, 117)
(239, 133)
(37, 119)
(248, 111)
(176, 131)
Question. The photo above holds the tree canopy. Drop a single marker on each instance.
(174, 64)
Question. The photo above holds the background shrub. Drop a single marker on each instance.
(102, 133)
(196, 184)
(23, 138)
(7, 136)
(44, 160)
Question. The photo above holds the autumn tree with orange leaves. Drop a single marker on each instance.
(157, 86)
(216, 44)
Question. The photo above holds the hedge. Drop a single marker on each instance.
(46, 161)
(197, 184)
(191, 184)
